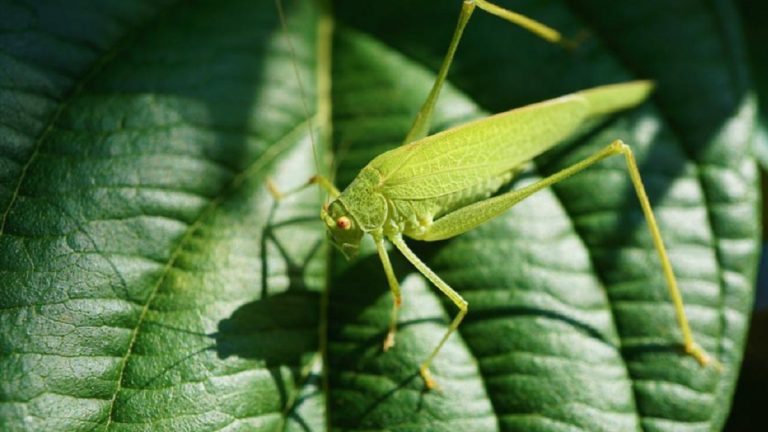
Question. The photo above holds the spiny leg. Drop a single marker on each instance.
(462, 304)
(421, 123)
(394, 286)
(469, 217)
(691, 347)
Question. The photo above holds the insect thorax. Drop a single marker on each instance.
(364, 203)
(372, 210)
(414, 217)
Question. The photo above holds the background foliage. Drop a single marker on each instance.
(148, 281)
(753, 378)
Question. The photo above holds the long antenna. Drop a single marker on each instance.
(284, 25)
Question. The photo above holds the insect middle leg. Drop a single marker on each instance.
(394, 286)
(455, 297)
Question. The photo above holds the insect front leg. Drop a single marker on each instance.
(459, 301)
(319, 180)
(394, 286)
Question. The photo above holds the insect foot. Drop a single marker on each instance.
(704, 359)
(274, 190)
(389, 341)
(429, 382)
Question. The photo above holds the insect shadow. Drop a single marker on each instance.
(359, 288)
(279, 328)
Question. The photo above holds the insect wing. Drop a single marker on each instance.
(467, 155)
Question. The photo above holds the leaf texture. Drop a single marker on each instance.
(148, 280)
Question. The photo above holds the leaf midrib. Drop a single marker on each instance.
(270, 154)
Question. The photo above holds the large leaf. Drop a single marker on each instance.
(747, 410)
(149, 281)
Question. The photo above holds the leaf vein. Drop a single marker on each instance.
(272, 152)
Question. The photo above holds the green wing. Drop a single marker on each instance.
(469, 154)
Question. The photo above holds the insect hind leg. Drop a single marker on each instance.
(468, 217)
(691, 347)
(420, 127)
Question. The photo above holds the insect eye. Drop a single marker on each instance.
(344, 223)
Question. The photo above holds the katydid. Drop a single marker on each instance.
(439, 186)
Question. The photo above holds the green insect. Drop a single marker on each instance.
(439, 186)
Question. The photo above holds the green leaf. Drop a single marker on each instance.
(148, 281)
(143, 286)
